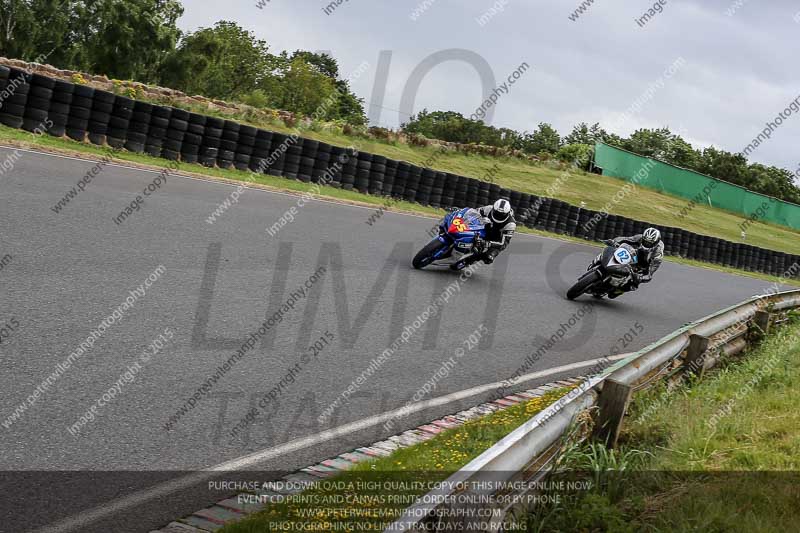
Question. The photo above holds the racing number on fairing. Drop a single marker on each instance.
(623, 256)
(460, 225)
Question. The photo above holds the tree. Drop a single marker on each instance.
(578, 154)
(649, 143)
(682, 154)
(349, 107)
(724, 165)
(127, 40)
(544, 139)
(452, 127)
(300, 88)
(42, 30)
(583, 134)
(225, 61)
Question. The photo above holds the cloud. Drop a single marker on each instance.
(739, 71)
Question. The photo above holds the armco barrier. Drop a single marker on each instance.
(524, 454)
(104, 118)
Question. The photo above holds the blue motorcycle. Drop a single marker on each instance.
(458, 232)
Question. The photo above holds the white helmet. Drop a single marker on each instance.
(501, 210)
(651, 237)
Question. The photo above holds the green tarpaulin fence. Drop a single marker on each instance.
(695, 187)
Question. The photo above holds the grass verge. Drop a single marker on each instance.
(390, 484)
(22, 139)
(722, 454)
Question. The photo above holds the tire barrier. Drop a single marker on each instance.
(81, 113)
(15, 98)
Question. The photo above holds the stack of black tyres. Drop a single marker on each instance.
(322, 172)
(193, 139)
(523, 209)
(227, 147)
(600, 228)
(17, 87)
(278, 151)
(412, 183)
(176, 132)
(80, 112)
(363, 170)
(307, 160)
(437, 189)
(573, 219)
(425, 186)
(484, 196)
(586, 221)
(294, 154)
(259, 157)
(336, 165)
(533, 211)
(400, 179)
(37, 105)
(557, 220)
(10, 114)
(157, 133)
(685, 243)
(244, 147)
(377, 173)
(514, 198)
(473, 192)
(349, 169)
(212, 139)
(451, 184)
(542, 213)
(139, 127)
(608, 227)
(460, 192)
(60, 105)
(120, 121)
(102, 106)
(389, 176)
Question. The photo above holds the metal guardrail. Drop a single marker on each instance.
(723, 333)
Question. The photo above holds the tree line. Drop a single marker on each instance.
(140, 40)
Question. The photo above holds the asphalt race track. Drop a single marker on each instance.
(70, 270)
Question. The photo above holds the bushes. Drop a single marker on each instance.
(579, 154)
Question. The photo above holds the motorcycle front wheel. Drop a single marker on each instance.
(425, 256)
(583, 284)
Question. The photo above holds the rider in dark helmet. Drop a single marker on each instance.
(650, 251)
(500, 228)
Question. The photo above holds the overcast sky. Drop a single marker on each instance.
(736, 73)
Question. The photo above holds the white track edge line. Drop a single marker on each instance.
(110, 508)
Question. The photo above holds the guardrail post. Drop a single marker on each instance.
(613, 403)
(760, 326)
(696, 355)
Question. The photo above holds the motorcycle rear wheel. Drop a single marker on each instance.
(583, 284)
(425, 256)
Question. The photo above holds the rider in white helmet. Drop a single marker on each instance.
(650, 250)
(500, 228)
